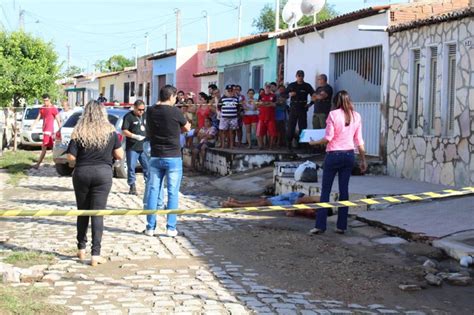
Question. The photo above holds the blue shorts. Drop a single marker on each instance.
(285, 199)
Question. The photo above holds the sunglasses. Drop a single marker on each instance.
(141, 109)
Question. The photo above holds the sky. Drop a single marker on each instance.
(98, 29)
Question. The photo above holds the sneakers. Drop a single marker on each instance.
(149, 232)
(133, 190)
(315, 231)
(172, 233)
(339, 231)
(97, 260)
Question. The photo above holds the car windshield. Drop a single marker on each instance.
(72, 121)
(31, 113)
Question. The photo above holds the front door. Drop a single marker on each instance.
(126, 92)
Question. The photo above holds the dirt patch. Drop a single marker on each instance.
(287, 258)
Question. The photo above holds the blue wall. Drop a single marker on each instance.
(164, 66)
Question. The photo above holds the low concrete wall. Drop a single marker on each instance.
(226, 162)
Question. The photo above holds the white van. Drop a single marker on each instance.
(33, 138)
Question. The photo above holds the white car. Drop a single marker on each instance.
(63, 136)
(33, 138)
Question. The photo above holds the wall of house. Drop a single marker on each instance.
(92, 89)
(258, 54)
(164, 66)
(439, 158)
(314, 53)
(118, 81)
(423, 9)
(144, 75)
(186, 66)
(205, 81)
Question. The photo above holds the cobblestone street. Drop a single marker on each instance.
(145, 275)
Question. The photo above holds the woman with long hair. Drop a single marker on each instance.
(343, 135)
(93, 147)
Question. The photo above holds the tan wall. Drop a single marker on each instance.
(422, 9)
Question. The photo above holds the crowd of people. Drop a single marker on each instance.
(268, 118)
(154, 138)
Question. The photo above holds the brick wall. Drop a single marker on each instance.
(422, 9)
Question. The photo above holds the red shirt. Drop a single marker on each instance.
(203, 112)
(267, 113)
(48, 114)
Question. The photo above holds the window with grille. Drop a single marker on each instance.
(413, 117)
(432, 89)
(451, 92)
(140, 90)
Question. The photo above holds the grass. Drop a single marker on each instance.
(16, 164)
(28, 259)
(26, 301)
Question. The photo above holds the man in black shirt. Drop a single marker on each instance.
(165, 122)
(101, 99)
(321, 99)
(133, 128)
(298, 92)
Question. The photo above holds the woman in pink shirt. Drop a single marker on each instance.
(343, 135)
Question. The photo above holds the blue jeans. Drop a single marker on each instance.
(132, 158)
(159, 168)
(285, 199)
(340, 163)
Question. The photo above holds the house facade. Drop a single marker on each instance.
(164, 72)
(119, 86)
(144, 78)
(358, 65)
(249, 63)
(84, 89)
(431, 129)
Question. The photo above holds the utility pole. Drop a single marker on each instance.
(146, 43)
(21, 20)
(166, 37)
(178, 27)
(136, 55)
(208, 28)
(68, 56)
(277, 15)
(240, 20)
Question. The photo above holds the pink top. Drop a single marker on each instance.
(340, 136)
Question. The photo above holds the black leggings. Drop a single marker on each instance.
(92, 186)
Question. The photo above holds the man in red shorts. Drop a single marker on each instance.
(48, 113)
(266, 118)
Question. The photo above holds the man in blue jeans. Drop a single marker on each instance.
(165, 122)
(133, 128)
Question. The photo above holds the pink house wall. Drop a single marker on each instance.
(186, 66)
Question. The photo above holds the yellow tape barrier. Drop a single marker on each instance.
(408, 198)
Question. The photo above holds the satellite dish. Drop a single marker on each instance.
(292, 13)
(311, 7)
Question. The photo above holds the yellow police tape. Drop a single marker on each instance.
(337, 204)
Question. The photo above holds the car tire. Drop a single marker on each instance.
(63, 169)
(120, 169)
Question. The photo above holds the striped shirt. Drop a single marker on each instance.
(229, 106)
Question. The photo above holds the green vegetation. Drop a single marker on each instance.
(16, 164)
(266, 20)
(28, 68)
(26, 301)
(28, 259)
(114, 63)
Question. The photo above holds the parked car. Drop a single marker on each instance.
(63, 136)
(29, 137)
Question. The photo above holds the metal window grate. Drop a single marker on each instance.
(366, 62)
(432, 88)
(451, 86)
(413, 122)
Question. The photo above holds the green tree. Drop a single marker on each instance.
(28, 68)
(265, 22)
(114, 63)
(72, 71)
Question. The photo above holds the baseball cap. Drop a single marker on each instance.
(300, 72)
(229, 87)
